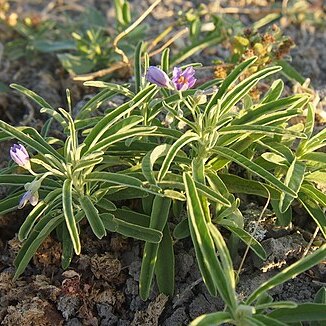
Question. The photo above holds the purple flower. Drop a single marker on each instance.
(183, 80)
(158, 77)
(19, 154)
(30, 196)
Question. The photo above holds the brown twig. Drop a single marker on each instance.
(169, 42)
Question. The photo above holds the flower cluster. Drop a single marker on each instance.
(181, 80)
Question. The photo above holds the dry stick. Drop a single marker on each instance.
(102, 72)
(249, 11)
(129, 29)
(253, 234)
(310, 242)
(168, 42)
(125, 61)
(159, 38)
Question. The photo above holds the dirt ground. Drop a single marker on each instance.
(101, 285)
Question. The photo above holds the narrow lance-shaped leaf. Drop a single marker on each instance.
(254, 168)
(68, 212)
(67, 248)
(274, 91)
(212, 272)
(290, 272)
(215, 318)
(130, 228)
(47, 203)
(244, 236)
(314, 211)
(230, 80)
(159, 216)
(138, 69)
(164, 267)
(182, 141)
(293, 179)
(232, 97)
(40, 145)
(149, 160)
(105, 123)
(303, 312)
(93, 217)
(32, 95)
(34, 245)
(122, 180)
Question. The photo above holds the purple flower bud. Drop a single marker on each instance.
(183, 80)
(30, 196)
(19, 154)
(158, 77)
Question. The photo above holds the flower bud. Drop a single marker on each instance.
(158, 77)
(20, 156)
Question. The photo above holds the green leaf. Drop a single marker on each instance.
(10, 204)
(75, 64)
(67, 248)
(48, 203)
(240, 185)
(254, 168)
(172, 152)
(303, 312)
(94, 103)
(240, 90)
(130, 229)
(213, 319)
(39, 144)
(293, 179)
(224, 256)
(149, 160)
(116, 88)
(27, 254)
(230, 80)
(106, 122)
(68, 212)
(320, 296)
(159, 216)
(283, 218)
(106, 204)
(315, 157)
(181, 230)
(137, 67)
(47, 46)
(196, 47)
(122, 135)
(268, 321)
(55, 115)
(122, 180)
(266, 130)
(277, 305)
(314, 211)
(310, 120)
(164, 267)
(244, 236)
(33, 96)
(92, 216)
(211, 269)
(290, 72)
(269, 109)
(274, 92)
(289, 272)
(165, 60)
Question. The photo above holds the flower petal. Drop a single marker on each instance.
(157, 76)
